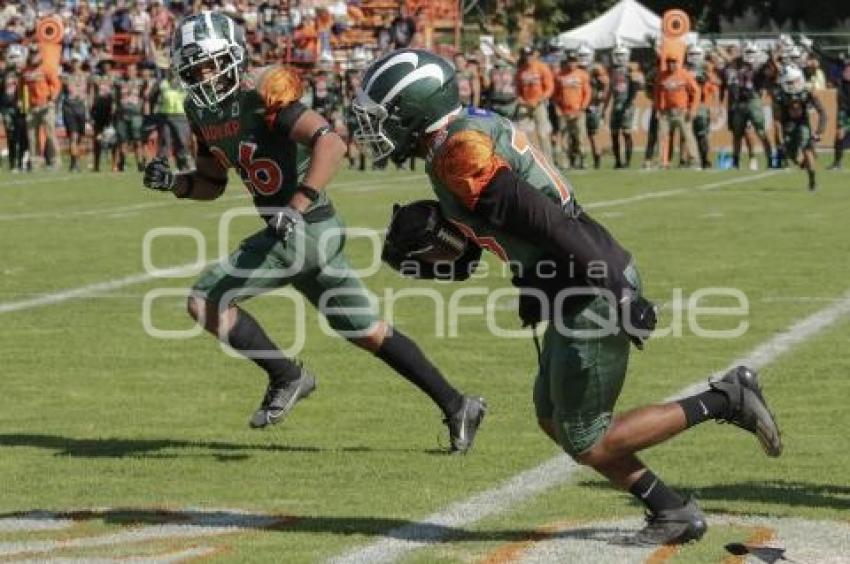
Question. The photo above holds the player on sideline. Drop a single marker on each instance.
(791, 104)
(505, 196)
(253, 122)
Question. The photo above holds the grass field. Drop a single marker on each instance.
(129, 445)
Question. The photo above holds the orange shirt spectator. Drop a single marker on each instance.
(42, 85)
(534, 82)
(572, 90)
(677, 90)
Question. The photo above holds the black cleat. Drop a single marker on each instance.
(280, 398)
(673, 526)
(748, 408)
(464, 423)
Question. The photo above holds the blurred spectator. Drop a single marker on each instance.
(140, 26)
(402, 28)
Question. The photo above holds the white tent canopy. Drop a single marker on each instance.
(628, 21)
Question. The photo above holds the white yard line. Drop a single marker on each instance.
(559, 470)
(677, 191)
(140, 278)
(354, 186)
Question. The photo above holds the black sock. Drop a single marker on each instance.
(839, 151)
(654, 494)
(629, 147)
(403, 356)
(251, 341)
(615, 147)
(710, 404)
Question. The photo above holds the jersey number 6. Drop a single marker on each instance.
(262, 175)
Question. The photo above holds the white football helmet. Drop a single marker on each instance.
(16, 55)
(792, 80)
(620, 56)
(751, 53)
(585, 55)
(695, 56)
(208, 55)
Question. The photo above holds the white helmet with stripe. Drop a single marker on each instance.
(208, 56)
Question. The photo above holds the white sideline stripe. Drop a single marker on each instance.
(115, 284)
(190, 554)
(355, 186)
(677, 191)
(558, 470)
(93, 289)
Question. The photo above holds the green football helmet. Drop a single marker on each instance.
(208, 56)
(404, 95)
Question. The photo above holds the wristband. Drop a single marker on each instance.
(311, 193)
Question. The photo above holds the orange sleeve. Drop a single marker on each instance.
(693, 93)
(53, 83)
(548, 80)
(586, 91)
(466, 164)
(279, 86)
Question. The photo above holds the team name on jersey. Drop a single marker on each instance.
(218, 131)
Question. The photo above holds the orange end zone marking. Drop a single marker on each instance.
(512, 552)
(759, 536)
(663, 554)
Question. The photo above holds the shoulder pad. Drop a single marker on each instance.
(278, 86)
(466, 163)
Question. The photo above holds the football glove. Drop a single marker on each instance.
(638, 317)
(159, 176)
(284, 223)
(422, 243)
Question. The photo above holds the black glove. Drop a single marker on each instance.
(638, 317)
(284, 222)
(159, 176)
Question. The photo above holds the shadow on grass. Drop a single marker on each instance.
(789, 493)
(112, 447)
(377, 527)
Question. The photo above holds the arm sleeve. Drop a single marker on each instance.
(515, 207)
(548, 81)
(203, 148)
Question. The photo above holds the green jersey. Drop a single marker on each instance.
(242, 133)
(624, 88)
(128, 95)
(492, 139)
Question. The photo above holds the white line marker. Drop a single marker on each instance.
(200, 524)
(405, 183)
(115, 284)
(560, 469)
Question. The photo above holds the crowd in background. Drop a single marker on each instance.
(132, 105)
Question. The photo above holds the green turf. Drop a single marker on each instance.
(97, 414)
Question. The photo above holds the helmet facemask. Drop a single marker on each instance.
(370, 133)
(210, 70)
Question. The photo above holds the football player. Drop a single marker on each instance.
(12, 106)
(703, 73)
(625, 86)
(101, 100)
(129, 97)
(505, 196)
(745, 84)
(253, 122)
(791, 105)
(74, 90)
(600, 86)
(842, 129)
(351, 82)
